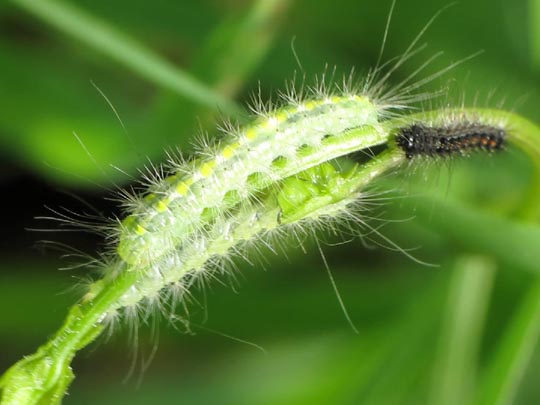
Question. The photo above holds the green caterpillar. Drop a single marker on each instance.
(201, 212)
(274, 147)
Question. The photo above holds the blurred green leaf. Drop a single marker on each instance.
(454, 374)
(106, 39)
(504, 374)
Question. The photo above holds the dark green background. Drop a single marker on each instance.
(401, 308)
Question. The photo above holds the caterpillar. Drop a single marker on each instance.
(274, 147)
(189, 220)
(420, 139)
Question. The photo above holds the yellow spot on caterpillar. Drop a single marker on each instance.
(139, 230)
(171, 179)
(228, 150)
(281, 116)
(149, 198)
(310, 105)
(162, 205)
(183, 187)
(207, 168)
(128, 222)
(335, 99)
(293, 110)
(267, 123)
(251, 133)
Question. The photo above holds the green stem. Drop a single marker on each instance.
(356, 181)
(44, 376)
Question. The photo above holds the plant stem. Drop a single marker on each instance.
(45, 375)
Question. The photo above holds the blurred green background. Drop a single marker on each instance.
(463, 332)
